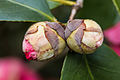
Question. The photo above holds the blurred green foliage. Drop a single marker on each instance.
(117, 5)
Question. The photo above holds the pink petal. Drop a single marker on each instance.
(113, 34)
(29, 51)
(27, 47)
(31, 55)
(116, 49)
(14, 69)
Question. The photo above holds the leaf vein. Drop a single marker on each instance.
(105, 69)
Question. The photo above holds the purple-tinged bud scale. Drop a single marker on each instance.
(83, 36)
(43, 40)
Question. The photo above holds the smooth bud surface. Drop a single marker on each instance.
(43, 40)
(83, 36)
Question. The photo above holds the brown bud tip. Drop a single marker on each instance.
(43, 40)
(83, 36)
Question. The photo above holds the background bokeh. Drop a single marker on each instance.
(12, 34)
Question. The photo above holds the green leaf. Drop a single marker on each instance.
(24, 10)
(104, 64)
(102, 11)
(53, 4)
(117, 5)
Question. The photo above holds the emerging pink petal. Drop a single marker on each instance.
(29, 51)
(27, 47)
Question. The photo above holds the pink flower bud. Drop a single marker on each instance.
(44, 40)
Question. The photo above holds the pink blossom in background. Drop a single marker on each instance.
(14, 69)
(113, 36)
(116, 49)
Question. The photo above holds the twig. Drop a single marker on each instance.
(65, 2)
(79, 4)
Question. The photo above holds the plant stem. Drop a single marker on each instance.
(89, 71)
(65, 2)
(79, 4)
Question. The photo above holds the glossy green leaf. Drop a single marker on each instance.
(117, 5)
(104, 64)
(24, 10)
(53, 4)
(102, 11)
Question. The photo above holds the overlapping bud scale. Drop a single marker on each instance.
(44, 40)
(83, 36)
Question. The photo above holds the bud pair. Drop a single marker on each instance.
(45, 40)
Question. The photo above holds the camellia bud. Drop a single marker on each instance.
(83, 36)
(44, 40)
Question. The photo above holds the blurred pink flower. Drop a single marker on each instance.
(113, 36)
(14, 69)
(116, 49)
